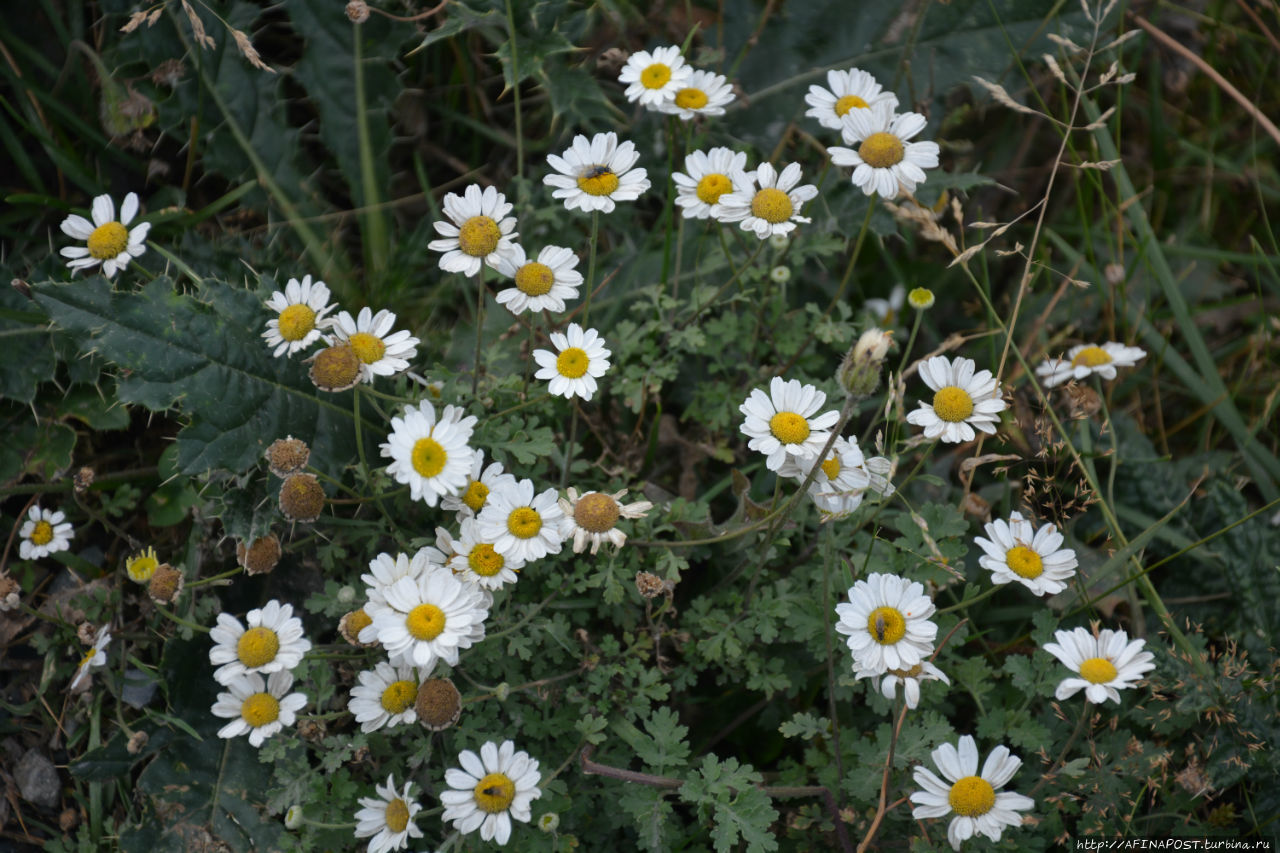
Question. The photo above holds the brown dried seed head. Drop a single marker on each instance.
(335, 369)
(165, 585)
(286, 455)
(87, 633)
(358, 11)
(439, 704)
(261, 556)
(350, 626)
(301, 498)
(83, 480)
(650, 585)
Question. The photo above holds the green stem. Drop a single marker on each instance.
(591, 266)
(178, 619)
(203, 581)
(475, 376)
(374, 225)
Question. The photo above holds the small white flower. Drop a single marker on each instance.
(887, 311)
(481, 482)
(520, 525)
(885, 160)
(432, 457)
(839, 482)
(272, 642)
(970, 797)
(887, 622)
(257, 709)
(1034, 558)
(849, 91)
(429, 618)
(385, 570)
(704, 94)
(381, 351)
(1106, 664)
(385, 696)
(785, 422)
(580, 359)
(541, 285)
(479, 233)
(594, 517)
(96, 656)
(595, 173)
(108, 241)
(1087, 359)
(772, 209)
(388, 817)
(491, 788)
(300, 316)
(475, 561)
(909, 678)
(963, 400)
(653, 79)
(43, 533)
(708, 177)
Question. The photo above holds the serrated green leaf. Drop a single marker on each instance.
(460, 18)
(23, 329)
(805, 726)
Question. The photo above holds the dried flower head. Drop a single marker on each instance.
(351, 624)
(650, 585)
(439, 704)
(301, 498)
(83, 480)
(165, 585)
(261, 556)
(358, 11)
(287, 455)
(336, 368)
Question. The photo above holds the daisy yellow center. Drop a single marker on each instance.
(425, 622)
(535, 279)
(596, 512)
(428, 457)
(655, 76)
(831, 468)
(691, 99)
(479, 236)
(368, 348)
(485, 561)
(1024, 562)
(398, 696)
(42, 534)
(952, 404)
(495, 793)
(712, 186)
(257, 646)
(881, 150)
(358, 620)
(524, 522)
(1097, 671)
(972, 796)
(142, 566)
(598, 180)
(850, 102)
(108, 240)
(573, 362)
(296, 322)
(397, 815)
(88, 657)
(789, 428)
(475, 496)
(772, 205)
(260, 709)
(887, 626)
(1091, 357)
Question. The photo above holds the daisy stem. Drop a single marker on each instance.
(318, 825)
(884, 782)
(568, 452)
(524, 620)
(517, 407)
(178, 619)
(906, 351)
(215, 578)
(829, 534)
(515, 96)
(1066, 750)
(736, 275)
(364, 462)
(591, 265)
(969, 602)
(475, 375)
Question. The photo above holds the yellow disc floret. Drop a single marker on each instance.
(42, 534)
(108, 241)
(573, 362)
(475, 496)
(397, 815)
(712, 186)
(887, 625)
(257, 646)
(772, 205)
(831, 467)
(881, 150)
(691, 99)
(428, 457)
(142, 566)
(479, 236)
(1024, 562)
(368, 348)
(598, 180)
(1098, 671)
(398, 696)
(1091, 357)
(789, 428)
(655, 76)
(952, 404)
(260, 709)
(972, 796)
(296, 322)
(485, 561)
(850, 102)
(596, 512)
(524, 522)
(336, 368)
(425, 622)
(535, 279)
(495, 793)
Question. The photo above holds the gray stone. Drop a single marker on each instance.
(37, 780)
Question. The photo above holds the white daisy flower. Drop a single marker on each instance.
(108, 241)
(842, 472)
(272, 642)
(381, 351)
(476, 562)
(430, 456)
(970, 797)
(44, 532)
(258, 709)
(887, 622)
(708, 176)
(962, 401)
(772, 209)
(1106, 664)
(596, 173)
(388, 817)
(885, 160)
(491, 788)
(888, 311)
(1034, 558)
(653, 79)
(1088, 359)
(849, 91)
(385, 570)
(541, 285)
(910, 679)
(472, 499)
(385, 696)
(300, 319)
(479, 233)
(520, 525)
(785, 422)
(704, 94)
(594, 517)
(95, 657)
(429, 618)
(581, 358)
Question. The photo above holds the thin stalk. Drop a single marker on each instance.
(591, 266)
(374, 225)
(475, 374)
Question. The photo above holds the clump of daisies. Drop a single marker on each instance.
(660, 80)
